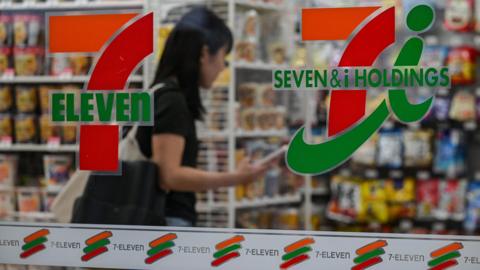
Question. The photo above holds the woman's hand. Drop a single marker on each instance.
(248, 172)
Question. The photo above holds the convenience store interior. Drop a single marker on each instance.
(421, 178)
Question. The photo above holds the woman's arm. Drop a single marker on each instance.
(167, 150)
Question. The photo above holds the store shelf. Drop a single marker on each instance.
(55, 79)
(317, 191)
(212, 135)
(261, 134)
(38, 148)
(77, 5)
(34, 215)
(209, 207)
(258, 5)
(268, 201)
(258, 66)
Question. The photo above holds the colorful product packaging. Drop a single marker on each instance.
(428, 194)
(5, 30)
(6, 67)
(57, 170)
(26, 29)
(373, 206)
(417, 148)
(6, 128)
(26, 128)
(459, 15)
(26, 99)
(8, 170)
(463, 107)
(450, 152)
(29, 199)
(28, 61)
(472, 220)
(462, 65)
(452, 200)
(390, 148)
(6, 98)
(344, 204)
(7, 202)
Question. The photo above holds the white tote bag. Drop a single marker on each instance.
(128, 150)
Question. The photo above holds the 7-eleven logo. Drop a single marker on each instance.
(122, 41)
(348, 127)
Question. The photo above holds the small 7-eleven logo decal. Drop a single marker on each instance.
(348, 127)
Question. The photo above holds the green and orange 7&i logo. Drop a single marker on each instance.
(348, 127)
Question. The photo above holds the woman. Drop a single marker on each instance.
(193, 57)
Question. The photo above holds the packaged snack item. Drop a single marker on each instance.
(47, 130)
(418, 148)
(5, 30)
(26, 29)
(28, 199)
(401, 197)
(5, 61)
(365, 155)
(28, 61)
(44, 97)
(472, 220)
(163, 33)
(48, 198)
(461, 63)
(6, 128)
(7, 202)
(25, 128)
(390, 148)
(459, 15)
(246, 48)
(441, 108)
(265, 96)
(452, 200)
(373, 206)
(287, 219)
(26, 99)
(434, 56)
(428, 194)
(280, 118)
(59, 65)
(277, 53)
(79, 64)
(6, 98)
(450, 152)
(8, 170)
(248, 120)
(69, 134)
(299, 58)
(463, 107)
(57, 170)
(247, 94)
(344, 204)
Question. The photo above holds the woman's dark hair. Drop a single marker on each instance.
(181, 56)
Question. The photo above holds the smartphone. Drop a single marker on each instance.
(268, 158)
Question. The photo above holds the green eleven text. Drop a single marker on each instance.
(100, 106)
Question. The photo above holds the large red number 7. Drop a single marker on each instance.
(123, 43)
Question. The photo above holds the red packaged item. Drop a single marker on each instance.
(26, 29)
(462, 66)
(5, 61)
(5, 30)
(452, 200)
(459, 15)
(28, 61)
(427, 197)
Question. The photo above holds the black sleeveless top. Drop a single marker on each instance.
(172, 115)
